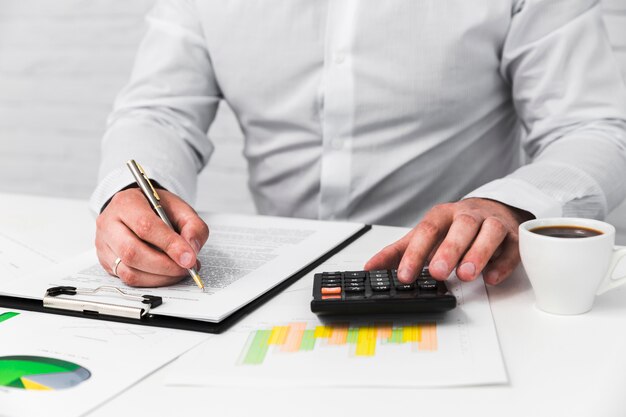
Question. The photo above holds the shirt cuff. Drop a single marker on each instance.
(122, 178)
(519, 194)
(165, 159)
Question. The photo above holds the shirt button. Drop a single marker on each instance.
(336, 143)
(340, 58)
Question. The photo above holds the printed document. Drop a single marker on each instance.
(244, 257)
(17, 258)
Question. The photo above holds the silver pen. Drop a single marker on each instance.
(155, 201)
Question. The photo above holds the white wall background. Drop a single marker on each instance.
(61, 64)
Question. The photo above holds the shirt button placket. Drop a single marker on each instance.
(338, 111)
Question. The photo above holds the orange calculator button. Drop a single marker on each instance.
(331, 290)
(331, 297)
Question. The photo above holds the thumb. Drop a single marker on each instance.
(187, 222)
(195, 231)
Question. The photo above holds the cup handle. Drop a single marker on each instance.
(609, 283)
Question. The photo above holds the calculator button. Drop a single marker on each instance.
(338, 273)
(384, 282)
(405, 287)
(353, 284)
(355, 274)
(379, 288)
(379, 279)
(331, 297)
(385, 275)
(381, 295)
(331, 285)
(427, 285)
(331, 280)
(379, 271)
(354, 279)
(354, 289)
(329, 291)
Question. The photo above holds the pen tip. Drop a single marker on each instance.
(198, 280)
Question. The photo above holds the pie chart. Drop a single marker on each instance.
(40, 373)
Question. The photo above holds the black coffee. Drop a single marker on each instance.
(573, 232)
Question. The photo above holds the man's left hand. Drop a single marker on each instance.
(474, 235)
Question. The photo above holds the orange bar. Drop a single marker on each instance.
(339, 335)
(429, 337)
(384, 330)
(332, 290)
(294, 337)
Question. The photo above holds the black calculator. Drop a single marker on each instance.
(364, 292)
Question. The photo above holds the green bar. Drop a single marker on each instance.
(308, 340)
(258, 348)
(353, 334)
(396, 335)
(7, 316)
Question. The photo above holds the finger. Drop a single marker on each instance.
(137, 254)
(192, 228)
(136, 278)
(186, 221)
(432, 252)
(492, 233)
(144, 223)
(501, 267)
(427, 235)
(129, 275)
(106, 257)
(389, 257)
(459, 238)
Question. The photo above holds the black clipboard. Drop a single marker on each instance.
(147, 310)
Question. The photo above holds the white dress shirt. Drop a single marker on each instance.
(376, 110)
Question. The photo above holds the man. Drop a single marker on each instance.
(371, 111)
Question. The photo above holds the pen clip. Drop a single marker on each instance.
(143, 173)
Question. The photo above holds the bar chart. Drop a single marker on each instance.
(350, 340)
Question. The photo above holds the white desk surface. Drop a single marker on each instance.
(557, 366)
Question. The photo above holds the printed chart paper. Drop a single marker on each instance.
(60, 366)
(284, 344)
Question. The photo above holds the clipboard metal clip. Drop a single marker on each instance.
(54, 300)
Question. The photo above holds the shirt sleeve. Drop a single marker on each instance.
(571, 100)
(162, 116)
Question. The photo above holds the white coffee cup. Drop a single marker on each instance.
(567, 273)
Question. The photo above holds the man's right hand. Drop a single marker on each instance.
(152, 255)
